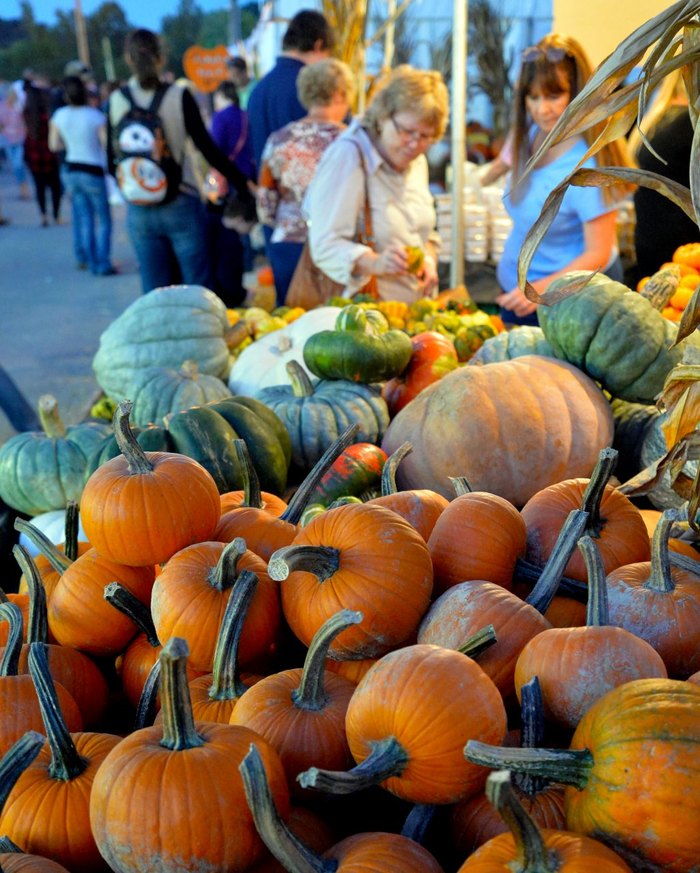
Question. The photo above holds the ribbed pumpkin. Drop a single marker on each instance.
(43, 470)
(465, 425)
(407, 723)
(141, 508)
(631, 769)
(355, 557)
(508, 344)
(164, 328)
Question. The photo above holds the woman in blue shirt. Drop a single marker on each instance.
(583, 234)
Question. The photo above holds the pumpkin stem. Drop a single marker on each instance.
(593, 495)
(16, 760)
(387, 758)
(226, 681)
(543, 593)
(12, 614)
(533, 855)
(418, 821)
(71, 530)
(568, 766)
(51, 421)
(235, 334)
(660, 577)
(128, 446)
(223, 576)
(684, 562)
(66, 763)
(38, 625)
(148, 701)
(531, 733)
(252, 496)
(179, 732)
(390, 467)
(597, 614)
(284, 845)
(302, 386)
(58, 559)
(530, 574)
(297, 504)
(8, 847)
(322, 561)
(461, 485)
(128, 604)
(480, 641)
(311, 695)
(190, 369)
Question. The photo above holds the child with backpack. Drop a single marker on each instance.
(150, 123)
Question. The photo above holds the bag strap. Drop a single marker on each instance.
(160, 93)
(241, 137)
(127, 95)
(368, 231)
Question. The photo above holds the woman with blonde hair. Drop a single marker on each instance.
(381, 158)
(326, 89)
(583, 234)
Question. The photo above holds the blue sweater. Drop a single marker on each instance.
(274, 102)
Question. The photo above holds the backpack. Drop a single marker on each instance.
(146, 171)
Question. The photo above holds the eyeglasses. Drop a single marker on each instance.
(407, 134)
(551, 53)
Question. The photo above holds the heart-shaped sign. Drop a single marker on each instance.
(205, 68)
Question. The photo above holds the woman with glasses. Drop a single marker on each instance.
(381, 157)
(583, 234)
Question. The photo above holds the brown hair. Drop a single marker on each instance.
(406, 89)
(556, 64)
(144, 54)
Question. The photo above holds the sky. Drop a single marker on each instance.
(140, 13)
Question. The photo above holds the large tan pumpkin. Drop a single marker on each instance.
(512, 428)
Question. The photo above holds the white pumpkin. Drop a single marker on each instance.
(263, 364)
(53, 525)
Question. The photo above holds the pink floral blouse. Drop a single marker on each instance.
(289, 161)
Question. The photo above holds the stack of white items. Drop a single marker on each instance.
(500, 222)
(475, 217)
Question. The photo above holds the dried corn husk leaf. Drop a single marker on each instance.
(673, 462)
(690, 318)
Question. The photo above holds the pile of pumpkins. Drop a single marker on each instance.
(681, 276)
(332, 693)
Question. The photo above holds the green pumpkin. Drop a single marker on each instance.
(315, 415)
(360, 349)
(614, 335)
(163, 329)
(633, 423)
(158, 391)
(523, 340)
(151, 438)
(44, 470)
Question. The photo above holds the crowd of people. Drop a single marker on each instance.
(349, 194)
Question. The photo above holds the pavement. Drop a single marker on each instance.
(51, 313)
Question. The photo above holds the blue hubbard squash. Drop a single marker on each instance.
(158, 391)
(524, 340)
(614, 335)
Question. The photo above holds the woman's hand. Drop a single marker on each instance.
(428, 276)
(393, 261)
(516, 302)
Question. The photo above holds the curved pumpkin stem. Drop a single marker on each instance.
(660, 578)
(12, 614)
(531, 733)
(59, 560)
(9, 848)
(543, 593)
(148, 701)
(311, 695)
(190, 369)
(284, 845)
(38, 625)
(51, 422)
(302, 386)
(461, 485)
(568, 766)
(252, 495)
(387, 758)
(16, 760)
(129, 605)
(593, 495)
(71, 530)
(390, 467)
(224, 575)
(418, 822)
(179, 732)
(533, 855)
(128, 446)
(597, 613)
(226, 681)
(480, 641)
(322, 561)
(66, 763)
(297, 504)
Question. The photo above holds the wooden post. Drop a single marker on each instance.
(81, 34)
(459, 100)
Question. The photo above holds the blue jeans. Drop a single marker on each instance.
(88, 196)
(167, 237)
(15, 153)
(284, 258)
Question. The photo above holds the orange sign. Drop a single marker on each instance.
(206, 68)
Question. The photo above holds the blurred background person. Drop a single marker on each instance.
(290, 157)
(41, 161)
(13, 131)
(241, 78)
